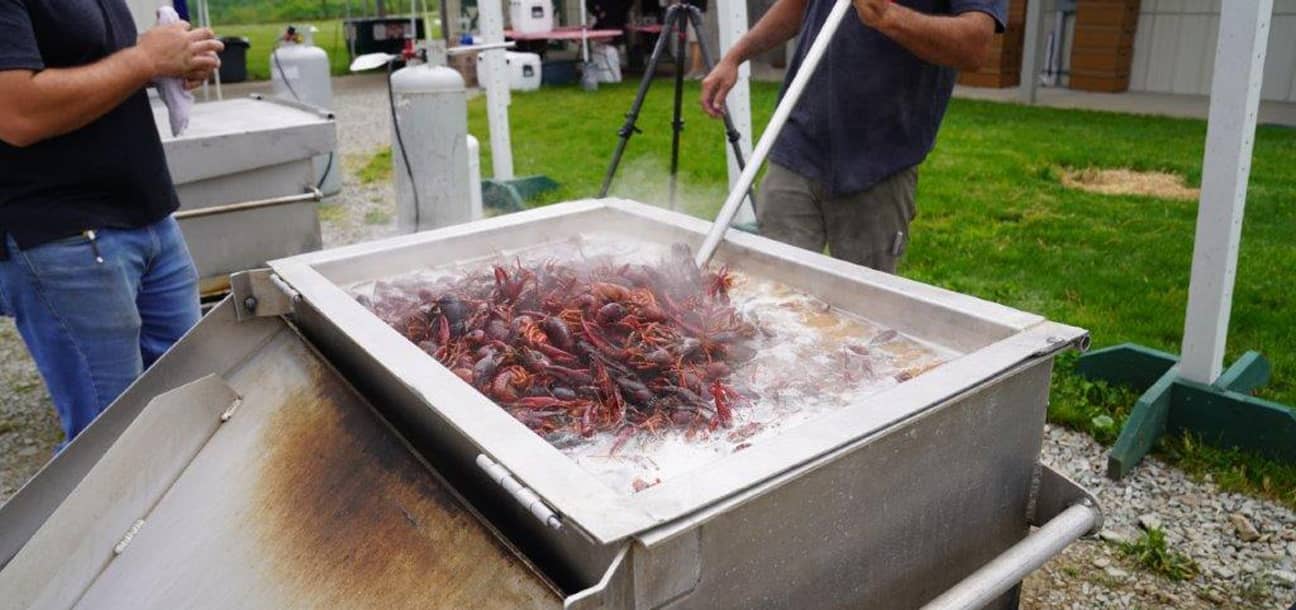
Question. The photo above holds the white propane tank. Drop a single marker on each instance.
(299, 71)
(523, 70)
(432, 118)
(531, 16)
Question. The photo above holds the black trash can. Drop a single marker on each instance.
(233, 68)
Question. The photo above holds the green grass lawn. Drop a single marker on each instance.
(264, 36)
(994, 222)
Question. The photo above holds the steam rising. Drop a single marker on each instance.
(647, 179)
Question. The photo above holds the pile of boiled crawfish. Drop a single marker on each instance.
(573, 350)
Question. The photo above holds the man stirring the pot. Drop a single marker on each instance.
(92, 266)
(844, 170)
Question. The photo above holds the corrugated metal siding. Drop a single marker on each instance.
(1174, 48)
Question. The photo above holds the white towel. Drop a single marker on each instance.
(171, 88)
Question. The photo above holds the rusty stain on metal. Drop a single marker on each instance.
(214, 286)
(351, 518)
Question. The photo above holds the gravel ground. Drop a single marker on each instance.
(361, 212)
(1246, 548)
(29, 430)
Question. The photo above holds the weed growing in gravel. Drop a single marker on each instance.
(330, 212)
(1233, 470)
(377, 169)
(376, 217)
(1255, 591)
(1091, 406)
(1150, 552)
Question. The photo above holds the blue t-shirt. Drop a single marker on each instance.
(872, 108)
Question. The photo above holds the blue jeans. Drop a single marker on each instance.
(92, 327)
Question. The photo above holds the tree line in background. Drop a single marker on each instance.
(262, 11)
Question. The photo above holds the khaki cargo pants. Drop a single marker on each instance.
(870, 228)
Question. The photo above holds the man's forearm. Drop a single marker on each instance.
(56, 101)
(779, 24)
(959, 41)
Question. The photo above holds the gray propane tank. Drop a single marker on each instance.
(299, 71)
(432, 118)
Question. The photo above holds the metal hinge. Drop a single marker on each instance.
(523, 494)
(228, 413)
(260, 293)
(128, 536)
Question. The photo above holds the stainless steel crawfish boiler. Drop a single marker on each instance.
(294, 451)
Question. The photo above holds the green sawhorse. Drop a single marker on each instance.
(1223, 414)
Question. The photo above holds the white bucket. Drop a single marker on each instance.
(606, 62)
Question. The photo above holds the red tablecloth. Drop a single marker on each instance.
(654, 28)
(564, 33)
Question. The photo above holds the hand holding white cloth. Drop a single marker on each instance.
(177, 99)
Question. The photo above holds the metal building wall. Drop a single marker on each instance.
(1174, 48)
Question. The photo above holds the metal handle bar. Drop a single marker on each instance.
(311, 194)
(1011, 566)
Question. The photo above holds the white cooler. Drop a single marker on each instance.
(523, 71)
(531, 16)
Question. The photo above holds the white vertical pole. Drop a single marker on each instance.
(1230, 134)
(584, 15)
(491, 19)
(732, 19)
(1031, 51)
(450, 20)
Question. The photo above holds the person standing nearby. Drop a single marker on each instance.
(93, 268)
(844, 170)
(697, 71)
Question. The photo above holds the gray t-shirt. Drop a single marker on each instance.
(872, 108)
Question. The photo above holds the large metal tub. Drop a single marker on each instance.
(246, 181)
(886, 503)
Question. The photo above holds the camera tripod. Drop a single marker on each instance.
(679, 17)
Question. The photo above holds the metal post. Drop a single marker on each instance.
(732, 19)
(491, 19)
(679, 27)
(628, 129)
(1230, 135)
(1031, 51)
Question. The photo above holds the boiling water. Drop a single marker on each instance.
(810, 359)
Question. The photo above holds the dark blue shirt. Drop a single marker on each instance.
(110, 173)
(872, 108)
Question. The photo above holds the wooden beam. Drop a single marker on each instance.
(1230, 136)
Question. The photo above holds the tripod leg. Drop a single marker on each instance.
(677, 124)
(731, 132)
(629, 128)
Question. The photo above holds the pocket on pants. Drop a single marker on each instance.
(76, 254)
